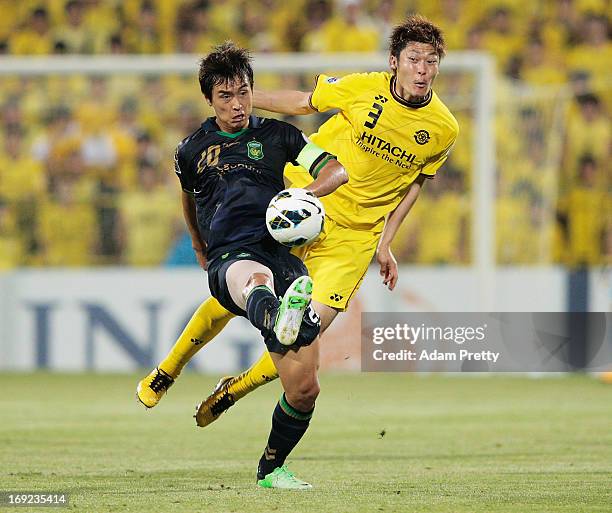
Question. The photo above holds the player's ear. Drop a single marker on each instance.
(393, 63)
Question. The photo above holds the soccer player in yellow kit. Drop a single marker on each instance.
(391, 133)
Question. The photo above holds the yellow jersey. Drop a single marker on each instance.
(383, 142)
(67, 233)
(587, 212)
(150, 219)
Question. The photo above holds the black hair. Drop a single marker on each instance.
(588, 99)
(226, 63)
(40, 12)
(587, 159)
(72, 4)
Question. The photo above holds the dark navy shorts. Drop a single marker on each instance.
(285, 269)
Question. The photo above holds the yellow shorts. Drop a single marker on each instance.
(337, 262)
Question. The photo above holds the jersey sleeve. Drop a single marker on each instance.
(293, 139)
(335, 93)
(435, 161)
(182, 171)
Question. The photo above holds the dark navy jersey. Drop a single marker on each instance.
(233, 177)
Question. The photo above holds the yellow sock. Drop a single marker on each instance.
(260, 373)
(208, 320)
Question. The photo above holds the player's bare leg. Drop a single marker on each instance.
(298, 375)
(256, 297)
(230, 389)
(243, 276)
(251, 287)
(291, 418)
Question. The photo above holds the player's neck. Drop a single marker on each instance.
(413, 101)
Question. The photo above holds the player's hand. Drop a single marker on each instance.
(388, 266)
(201, 256)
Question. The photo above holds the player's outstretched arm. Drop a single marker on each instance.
(386, 260)
(189, 213)
(284, 102)
(330, 177)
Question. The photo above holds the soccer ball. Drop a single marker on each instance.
(295, 217)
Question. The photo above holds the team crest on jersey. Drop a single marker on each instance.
(332, 80)
(255, 150)
(421, 137)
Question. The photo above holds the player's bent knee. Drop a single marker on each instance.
(257, 280)
(303, 396)
(312, 392)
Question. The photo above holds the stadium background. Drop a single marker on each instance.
(97, 271)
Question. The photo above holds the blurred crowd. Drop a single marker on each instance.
(86, 161)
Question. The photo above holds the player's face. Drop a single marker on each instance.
(415, 70)
(233, 103)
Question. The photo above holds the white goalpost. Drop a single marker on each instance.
(479, 64)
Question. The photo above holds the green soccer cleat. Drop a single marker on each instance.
(152, 388)
(291, 310)
(282, 478)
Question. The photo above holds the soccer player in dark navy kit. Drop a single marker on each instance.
(230, 169)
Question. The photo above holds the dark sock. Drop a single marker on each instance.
(288, 427)
(261, 308)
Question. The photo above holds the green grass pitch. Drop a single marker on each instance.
(450, 444)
